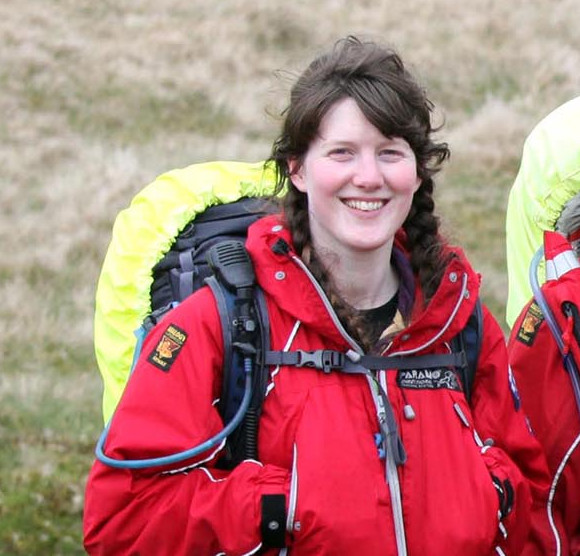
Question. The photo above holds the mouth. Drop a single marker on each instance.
(366, 206)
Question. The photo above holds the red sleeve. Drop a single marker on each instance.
(515, 454)
(168, 407)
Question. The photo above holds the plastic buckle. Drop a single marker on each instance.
(324, 359)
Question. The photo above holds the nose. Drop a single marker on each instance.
(367, 173)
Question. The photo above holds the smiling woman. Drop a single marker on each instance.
(354, 265)
(360, 186)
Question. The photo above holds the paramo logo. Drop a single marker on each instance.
(428, 379)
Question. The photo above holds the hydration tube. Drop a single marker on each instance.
(569, 362)
(186, 454)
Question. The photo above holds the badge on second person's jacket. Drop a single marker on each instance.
(530, 324)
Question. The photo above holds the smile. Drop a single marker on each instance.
(364, 205)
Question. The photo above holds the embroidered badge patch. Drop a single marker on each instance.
(530, 324)
(168, 348)
(428, 379)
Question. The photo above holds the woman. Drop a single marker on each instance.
(353, 263)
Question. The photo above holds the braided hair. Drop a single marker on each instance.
(377, 80)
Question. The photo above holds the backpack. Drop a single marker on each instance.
(207, 247)
(142, 234)
(207, 253)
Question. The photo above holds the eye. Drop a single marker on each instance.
(394, 149)
(391, 154)
(340, 153)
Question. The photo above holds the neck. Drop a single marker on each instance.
(364, 280)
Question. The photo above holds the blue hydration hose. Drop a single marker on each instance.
(186, 454)
(569, 362)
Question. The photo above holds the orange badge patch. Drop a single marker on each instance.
(530, 324)
(168, 348)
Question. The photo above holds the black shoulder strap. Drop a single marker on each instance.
(245, 329)
(469, 342)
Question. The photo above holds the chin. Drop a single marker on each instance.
(368, 246)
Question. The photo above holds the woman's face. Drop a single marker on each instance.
(360, 184)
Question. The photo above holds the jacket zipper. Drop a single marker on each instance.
(391, 474)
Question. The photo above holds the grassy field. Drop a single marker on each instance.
(99, 97)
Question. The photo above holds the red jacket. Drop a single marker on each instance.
(549, 402)
(317, 438)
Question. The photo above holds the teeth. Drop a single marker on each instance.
(364, 205)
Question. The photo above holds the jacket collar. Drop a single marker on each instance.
(294, 292)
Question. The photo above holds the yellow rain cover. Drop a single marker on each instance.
(142, 234)
(549, 176)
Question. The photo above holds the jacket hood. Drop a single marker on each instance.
(282, 277)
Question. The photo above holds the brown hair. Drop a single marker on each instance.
(390, 98)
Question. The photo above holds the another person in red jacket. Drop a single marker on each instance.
(375, 463)
(544, 353)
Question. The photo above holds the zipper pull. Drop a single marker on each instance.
(462, 417)
(381, 411)
(409, 412)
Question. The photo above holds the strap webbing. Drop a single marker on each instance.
(328, 360)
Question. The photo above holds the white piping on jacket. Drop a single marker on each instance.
(287, 346)
(293, 497)
(327, 304)
(293, 490)
(197, 464)
(462, 296)
(552, 494)
(294, 477)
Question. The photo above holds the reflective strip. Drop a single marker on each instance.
(561, 264)
(553, 487)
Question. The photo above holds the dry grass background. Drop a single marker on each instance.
(99, 97)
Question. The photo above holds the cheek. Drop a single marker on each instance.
(404, 179)
(322, 179)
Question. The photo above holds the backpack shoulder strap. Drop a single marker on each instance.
(245, 329)
(469, 341)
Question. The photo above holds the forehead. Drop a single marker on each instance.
(345, 118)
(345, 122)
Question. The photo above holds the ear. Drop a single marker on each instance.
(296, 171)
(417, 184)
